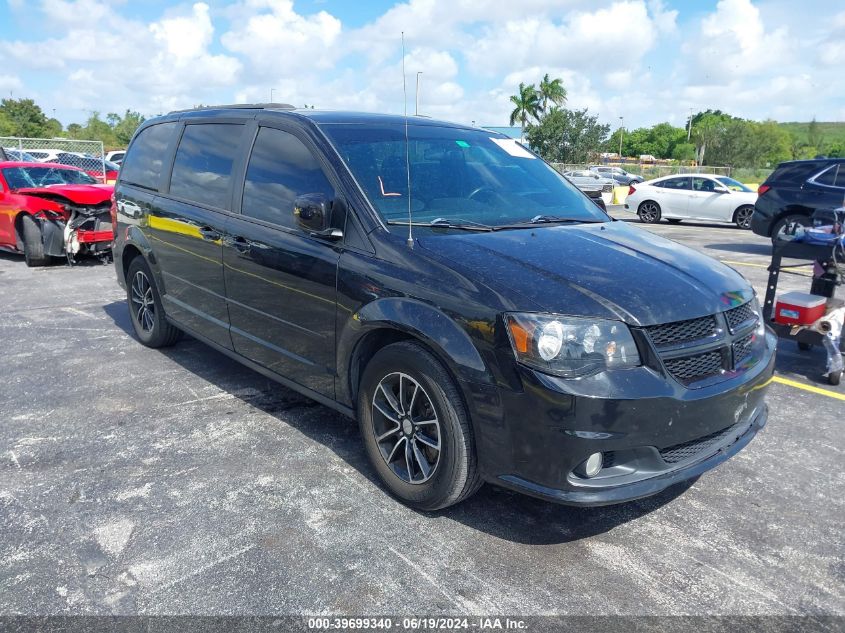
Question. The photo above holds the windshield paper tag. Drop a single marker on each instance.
(512, 147)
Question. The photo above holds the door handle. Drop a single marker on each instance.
(238, 243)
(209, 234)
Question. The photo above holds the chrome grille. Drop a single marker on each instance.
(691, 368)
(693, 448)
(739, 316)
(681, 331)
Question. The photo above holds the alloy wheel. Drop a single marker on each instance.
(743, 217)
(406, 428)
(649, 212)
(143, 303)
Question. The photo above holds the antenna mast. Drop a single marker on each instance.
(407, 148)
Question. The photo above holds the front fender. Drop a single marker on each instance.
(445, 337)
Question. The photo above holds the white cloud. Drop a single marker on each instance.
(274, 37)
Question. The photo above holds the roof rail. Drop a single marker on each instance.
(240, 106)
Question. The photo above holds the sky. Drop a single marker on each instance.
(647, 61)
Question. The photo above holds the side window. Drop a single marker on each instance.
(677, 183)
(202, 169)
(143, 164)
(703, 184)
(827, 177)
(840, 176)
(280, 168)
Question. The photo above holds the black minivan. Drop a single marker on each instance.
(479, 316)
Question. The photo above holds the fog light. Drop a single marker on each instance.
(590, 467)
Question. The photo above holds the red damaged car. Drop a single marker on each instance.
(49, 210)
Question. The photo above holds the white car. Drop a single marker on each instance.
(45, 155)
(705, 197)
(116, 156)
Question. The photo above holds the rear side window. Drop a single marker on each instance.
(676, 183)
(280, 168)
(202, 170)
(794, 173)
(144, 162)
(832, 177)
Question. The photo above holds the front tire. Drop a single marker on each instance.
(145, 308)
(415, 428)
(649, 212)
(33, 242)
(742, 216)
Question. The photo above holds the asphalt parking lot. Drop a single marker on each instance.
(178, 482)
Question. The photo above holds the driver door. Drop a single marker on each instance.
(706, 203)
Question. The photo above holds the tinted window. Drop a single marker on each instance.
(794, 173)
(280, 168)
(703, 184)
(830, 177)
(144, 162)
(676, 183)
(202, 169)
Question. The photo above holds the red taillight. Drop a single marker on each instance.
(631, 190)
(762, 189)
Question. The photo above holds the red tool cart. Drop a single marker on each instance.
(823, 260)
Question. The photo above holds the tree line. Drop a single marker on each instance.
(24, 117)
(711, 137)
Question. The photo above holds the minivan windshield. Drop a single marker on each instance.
(459, 177)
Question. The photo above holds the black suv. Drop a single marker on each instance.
(479, 316)
(794, 191)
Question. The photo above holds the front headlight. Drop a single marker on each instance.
(570, 346)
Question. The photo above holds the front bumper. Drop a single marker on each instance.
(653, 431)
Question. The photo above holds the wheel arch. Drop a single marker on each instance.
(391, 320)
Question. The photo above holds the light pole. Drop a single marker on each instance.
(417, 107)
(621, 135)
(689, 125)
(272, 90)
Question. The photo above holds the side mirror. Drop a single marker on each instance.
(312, 212)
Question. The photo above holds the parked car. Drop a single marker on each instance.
(794, 191)
(92, 165)
(44, 155)
(705, 197)
(116, 156)
(53, 211)
(13, 153)
(617, 174)
(590, 182)
(484, 322)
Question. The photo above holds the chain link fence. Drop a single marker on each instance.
(648, 170)
(86, 155)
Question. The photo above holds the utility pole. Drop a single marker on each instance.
(417, 108)
(621, 135)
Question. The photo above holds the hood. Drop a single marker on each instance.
(607, 270)
(79, 194)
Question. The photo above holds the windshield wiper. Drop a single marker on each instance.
(457, 223)
(546, 219)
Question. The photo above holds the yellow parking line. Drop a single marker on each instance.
(736, 263)
(810, 388)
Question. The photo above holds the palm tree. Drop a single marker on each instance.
(552, 90)
(527, 104)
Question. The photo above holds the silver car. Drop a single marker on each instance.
(588, 181)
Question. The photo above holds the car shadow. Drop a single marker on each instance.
(56, 262)
(502, 513)
(754, 248)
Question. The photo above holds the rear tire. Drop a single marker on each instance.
(145, 308)
(834, 377)
(742, 216)
(785, 222)
(406, 398)
(33, 242)
(649, 212)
